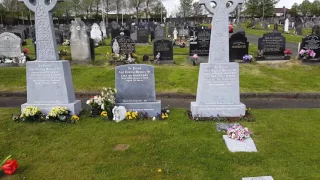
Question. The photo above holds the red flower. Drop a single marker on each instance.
(26, 50)
(10, 166)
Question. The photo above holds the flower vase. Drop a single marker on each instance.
(95, 112)
(62, 118)
(110, 113)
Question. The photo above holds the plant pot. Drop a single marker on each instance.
(95, 112)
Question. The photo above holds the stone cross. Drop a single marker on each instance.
(45, 35)
(219, 41)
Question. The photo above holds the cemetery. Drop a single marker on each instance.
(126, 96)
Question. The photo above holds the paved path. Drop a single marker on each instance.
(260, 103)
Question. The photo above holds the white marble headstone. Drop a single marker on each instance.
(238, 146)
(258, 178)
(10, 45)
(96, 33)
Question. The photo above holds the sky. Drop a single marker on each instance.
(171, 5)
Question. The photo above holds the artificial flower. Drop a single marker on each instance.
(10, 166)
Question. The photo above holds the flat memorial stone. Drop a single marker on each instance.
(258, 178)
(225, 126)
(237, 146)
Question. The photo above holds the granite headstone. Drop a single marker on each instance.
(240, 146)
(239, 46)
(142, 35)
(79, 42)
(165, 48)
(126, 44)
(10, 45)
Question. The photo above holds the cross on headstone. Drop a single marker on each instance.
(219, 44)
(45, 35)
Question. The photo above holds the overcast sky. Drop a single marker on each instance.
(172, 4)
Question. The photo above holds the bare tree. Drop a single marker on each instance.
(137, 4)
(150, 4)
(186, 7)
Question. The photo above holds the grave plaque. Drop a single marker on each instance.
(239, 46)
(10, 45)
(258, 178)
(240, 146)
(160, 32)
(202, 43)
(135, 86)
(126, 44)
(142, 35)
(272, 44)
(165, 48)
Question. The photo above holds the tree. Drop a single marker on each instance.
(64, 9)
(137, 4)
(3, 12)
(158, 8)
(197, 9)
(294, 10)
(315, 8)
(260, 8)
(150, 4)
(117, 5)
(305, 8)
(186, 7)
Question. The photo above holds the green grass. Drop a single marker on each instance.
(287, 143)
(183, 78)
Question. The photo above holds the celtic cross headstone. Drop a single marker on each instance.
(49, 80)
(45, 35)
(219, 46)
(218, 92)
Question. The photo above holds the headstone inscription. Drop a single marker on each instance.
(218, 92)
(311, 42)
(239, 46)
(10, 45)
(201, 43)
(165, 48)
(126, 45)
(142, 35)
(79, 42)
(272, 46)
(49, 80)
(135, 86)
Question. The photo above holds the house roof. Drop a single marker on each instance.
(280, 10)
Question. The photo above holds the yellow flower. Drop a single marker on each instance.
(159, 170)
(75, 118)
(104, 113)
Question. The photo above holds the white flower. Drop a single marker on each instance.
(168, 111)
(88, 102)
(154, 118)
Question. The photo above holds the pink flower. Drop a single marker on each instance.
(312, 54)
(302, 51)
(195, 56)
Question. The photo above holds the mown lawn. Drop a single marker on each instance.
(287, 143)
(290, 77)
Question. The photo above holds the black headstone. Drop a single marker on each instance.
(202, 44)
(164, 47)
(238, 46)
(311, 42)
(142, 35)
(126, 45)
(115, 32)
(272, 44)
(145, 58)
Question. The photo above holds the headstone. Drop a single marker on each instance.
(286, 25)
(135, 84)
(49, 80)
(79, 42)
(299, 26)
(115, 32)
(142, 36)
(276, 27)
(258, 178)
(160, 32)
(240, 146)
(165, 48)
(96, 33)
(239, 46)
(145, 58)
(265, 24)
(309, 24)
(218, 92)
(272, 45)
(316, 30)
(311, 42)
(126, 45)
(103, 29)
(59, 37)
(201, 43)
(10, 45)
(134, 35)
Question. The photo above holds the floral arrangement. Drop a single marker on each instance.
(25, 50)
(287, 52)
(59, 113)
(132, 115)
(164, 113)
(109, 98)
(75, 119)
(9, 166)
(119, 57)
(307, 53)
(104, 115)
(194, 59)
(95, 101)
(247, 58)
(182, 44)
(238, 132)
(63, 52)
(30, 113)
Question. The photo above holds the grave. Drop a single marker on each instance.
(239, 46)
(160, 32)
(10, 45)
(165, 48)
(200, 44)
(240, 146)
(143, 36)
(218, 92)
(258, 178)
(103, 29)
(135, 84)
(126, 45)
(311, 42)
(271, 47)
(79, 42)
(96, 34)
(298, 26)
(49, 80)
